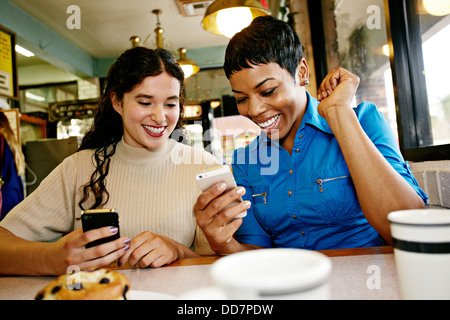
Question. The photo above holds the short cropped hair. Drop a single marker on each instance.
(265, 40)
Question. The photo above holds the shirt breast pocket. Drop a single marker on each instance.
(260, 198)
(334, 194)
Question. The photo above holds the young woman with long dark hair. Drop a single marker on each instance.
(126, 161)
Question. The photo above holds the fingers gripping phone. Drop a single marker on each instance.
(98, 218)
(206, 179)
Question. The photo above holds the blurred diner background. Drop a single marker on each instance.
(54, 56)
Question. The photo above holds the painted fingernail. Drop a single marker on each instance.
(126, 247)
(114, 229)
(240, 190)
(127, 241)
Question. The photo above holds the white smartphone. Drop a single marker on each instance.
(206, 179)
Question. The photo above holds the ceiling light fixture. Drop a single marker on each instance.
(189, 67)
(23, 51)
(33, 96)
(437, 7)
(227, 17)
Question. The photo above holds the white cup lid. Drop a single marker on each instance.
(421, 217)
(272, 270)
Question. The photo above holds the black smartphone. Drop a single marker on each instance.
(98, 218)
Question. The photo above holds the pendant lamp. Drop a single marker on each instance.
(227, 17)
(189, 67)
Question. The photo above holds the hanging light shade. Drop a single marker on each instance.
(227, 17)
(437, 7)
(189, 67)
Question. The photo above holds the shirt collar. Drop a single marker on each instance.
(313, 118)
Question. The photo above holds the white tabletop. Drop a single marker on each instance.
(358, 277)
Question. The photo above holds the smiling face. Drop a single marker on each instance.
(271, 97)
(150, 111)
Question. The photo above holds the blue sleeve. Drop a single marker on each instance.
(250, 231)
(381, 134)
(12, 190)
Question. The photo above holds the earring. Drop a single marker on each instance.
(306, 82)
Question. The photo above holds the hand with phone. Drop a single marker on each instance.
(208, 178)
(146, 249)
(218, 208)
(98, 246)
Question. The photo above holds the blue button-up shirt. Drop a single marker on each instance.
(308, 200)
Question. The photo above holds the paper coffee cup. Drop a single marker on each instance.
(421, 241)
(273, 274)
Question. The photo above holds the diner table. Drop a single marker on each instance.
(357, 274)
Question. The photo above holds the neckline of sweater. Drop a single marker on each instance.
(144, 156)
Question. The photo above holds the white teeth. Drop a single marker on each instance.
(155, 130)
(269, 122)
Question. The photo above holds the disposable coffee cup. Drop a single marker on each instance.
(273, 274)
(421, 241)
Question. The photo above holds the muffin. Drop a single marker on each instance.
(96, 284)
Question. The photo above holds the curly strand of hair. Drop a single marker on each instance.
(97, 183)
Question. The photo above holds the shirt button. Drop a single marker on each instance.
(297, 150)
(294, 217)
(290, 192)
(303, 233)
(290, 171)
(300, 136)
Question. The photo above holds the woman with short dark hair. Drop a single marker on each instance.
(321, 175)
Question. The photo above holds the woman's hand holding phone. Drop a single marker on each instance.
(218, 220)
(221, 174)
(71, 249)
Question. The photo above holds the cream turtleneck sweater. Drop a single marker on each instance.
(153, 190)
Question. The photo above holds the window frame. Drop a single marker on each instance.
(413, 117)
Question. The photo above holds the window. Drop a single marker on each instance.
(399, 50)
(356, 39)
(36, 98)
(435, 48)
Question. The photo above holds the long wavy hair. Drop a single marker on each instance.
(130, 69)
